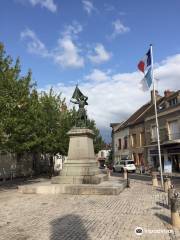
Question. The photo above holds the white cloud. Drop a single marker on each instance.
(66, 54)
(101, 55)
(113, 97)
(98, 76)
(34, 45)
(72, 30)
(49, 4)
(88, 6)
(168, 73)
(119, 28)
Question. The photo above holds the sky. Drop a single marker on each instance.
(98, 45)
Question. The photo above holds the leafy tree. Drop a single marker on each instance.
(98, 141)
(14, 101)
(31, 121)
(109, 161)
(55, 122)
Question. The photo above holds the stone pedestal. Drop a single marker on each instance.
(80, 174)
(81, 166)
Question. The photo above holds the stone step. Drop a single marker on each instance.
(104, 188)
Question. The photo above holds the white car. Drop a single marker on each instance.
(124, 164)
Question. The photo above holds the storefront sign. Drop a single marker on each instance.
(155, 152)
(174, 150)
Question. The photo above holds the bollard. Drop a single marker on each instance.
(108, 172)
(125, 174)
(4, 175)
(126, 178)
(154, 180)
(175, 208)
(128, 182)
(171, 192)
(167, 184)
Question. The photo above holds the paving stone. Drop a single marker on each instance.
(67, 217)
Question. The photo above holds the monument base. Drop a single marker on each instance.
(79, 179)
(81, 166)
(111, 187)
(80, 174)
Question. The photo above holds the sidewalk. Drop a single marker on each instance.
(174, 174)
(67, 217)
(175, 179)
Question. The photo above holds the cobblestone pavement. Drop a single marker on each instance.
(65, 217)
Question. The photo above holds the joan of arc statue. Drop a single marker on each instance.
(81, 100)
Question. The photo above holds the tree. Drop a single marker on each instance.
(31, 121)
(109, 161)
(55, 121)
(15, 94)
(99, 143)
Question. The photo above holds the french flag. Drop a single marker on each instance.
(145, 62)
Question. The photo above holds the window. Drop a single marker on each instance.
(173, 102)
(141, 136)
(174, 130)
(133, 139)
(129, 162)
(119, 147)
(125, 142)
(124, 157)
(153, 133)
(161, 107)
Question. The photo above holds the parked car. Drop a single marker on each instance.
(121, 165)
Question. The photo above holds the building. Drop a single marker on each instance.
(102, 157)
(121, 143)
(136, 138)
(129, 137)
(136, 124)
(168, 109)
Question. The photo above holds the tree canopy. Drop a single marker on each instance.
(33, 121)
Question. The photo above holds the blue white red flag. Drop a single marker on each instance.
(145, 62)
(147, 80)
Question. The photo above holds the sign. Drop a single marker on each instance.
(155, 152)
(174, 150)
(167, 166)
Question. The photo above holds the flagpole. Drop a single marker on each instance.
(157, 124)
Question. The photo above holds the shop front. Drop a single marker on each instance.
(174, 157)
(153, 158)
(169, 153)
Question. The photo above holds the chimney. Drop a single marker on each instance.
(167, 93)
(152, 96)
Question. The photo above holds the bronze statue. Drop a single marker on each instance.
(81, 100)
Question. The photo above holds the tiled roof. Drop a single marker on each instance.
(143, 111)
(138, 116)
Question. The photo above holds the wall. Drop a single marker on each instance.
(170, 149)
(137, 151)
(119, 152)
(12, 166)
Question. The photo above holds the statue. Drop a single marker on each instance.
(81, 100)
